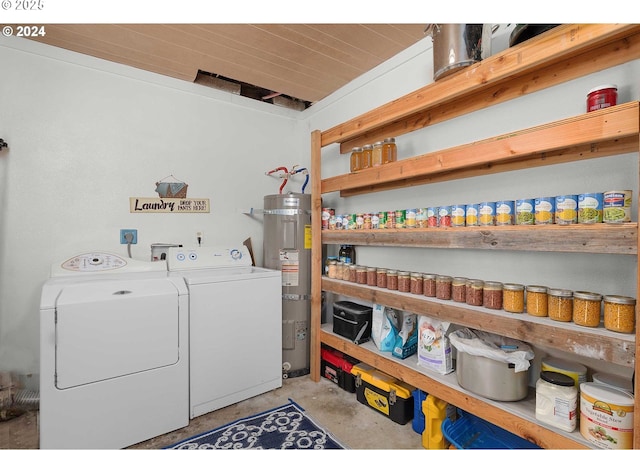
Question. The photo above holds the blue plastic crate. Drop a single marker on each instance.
(470, 431)
(418, 422)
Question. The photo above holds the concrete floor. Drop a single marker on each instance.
(353, 424)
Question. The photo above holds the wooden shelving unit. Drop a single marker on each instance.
(562, 54)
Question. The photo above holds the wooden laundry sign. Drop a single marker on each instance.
(168, 205)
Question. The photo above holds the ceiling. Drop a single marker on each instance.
(304, 62)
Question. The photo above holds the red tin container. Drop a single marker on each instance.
(602, 97)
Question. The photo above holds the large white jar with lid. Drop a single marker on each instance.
(557, 400)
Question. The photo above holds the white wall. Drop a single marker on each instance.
(84, 135)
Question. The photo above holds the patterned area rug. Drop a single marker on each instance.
(286, 427)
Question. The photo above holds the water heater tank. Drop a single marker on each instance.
(287, 247)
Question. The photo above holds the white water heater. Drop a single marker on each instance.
(287, 247)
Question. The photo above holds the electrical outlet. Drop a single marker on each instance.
(124, 232)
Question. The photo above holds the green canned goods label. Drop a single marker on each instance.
(401, 217)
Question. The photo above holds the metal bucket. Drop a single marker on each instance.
(458, 45)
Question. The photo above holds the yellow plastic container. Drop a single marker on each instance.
(435, 411)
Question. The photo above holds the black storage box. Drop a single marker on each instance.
(352, 321)
(336, 366)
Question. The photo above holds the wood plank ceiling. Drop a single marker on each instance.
(306, 62)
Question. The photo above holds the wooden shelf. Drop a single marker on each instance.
(517, 417)
(617, 348)
(606, 132)
(593, 238)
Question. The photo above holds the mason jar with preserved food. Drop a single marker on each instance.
(560, 304)
(392, 279)
(356, 159)
(346, 271)
(537, 302)
(474, 294)
(443, 287)
(389, 150)
(332, 268)
(376, 154)
(513, 297)
(404, 282)
(586, 308)
(459, 289)
(361, 275)
(429, 284)
(619, 313)
(416, 283)
(339, 270)
(381, 278)
(367, 153)
(353, 277)
(372, 276)
(492, 295)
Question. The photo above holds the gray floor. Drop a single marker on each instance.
(353, 424)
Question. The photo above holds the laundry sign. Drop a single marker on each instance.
(168, 205)
(172, 195)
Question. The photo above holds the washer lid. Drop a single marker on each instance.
(206, 276)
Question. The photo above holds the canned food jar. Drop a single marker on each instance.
(401, 217)
(444, 216)
(429, 284)
(353, 275)
(392, 279)
(458, 215)
(513, 297)
(544, 209)
(443, 287)
(404, 282)
(381, 278)
(474, 292)
(487, 214)
(537, 301)
(459, 289)
(586, 308)
(432, 216)
(619, 313)
(339, 270)
(416, 283)
(566, 209)
(367, 153)
(421, 218)
(332, 268)
(552, 390)
(590, 207)
(505, 212)
(389, 149)
(338, 222)
(616, 206)
(372, 276)
(525, 208)
(356, 159)
(492, 295)
(560, 304)
(471, 215)
(361, 275)
(410, 217)
(376, 154)
(346, 271)
(602, 97)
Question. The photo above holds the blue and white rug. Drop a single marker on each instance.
(285, 427)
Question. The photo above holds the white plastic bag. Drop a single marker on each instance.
(493, 346)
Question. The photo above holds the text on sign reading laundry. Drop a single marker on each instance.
(168, 205)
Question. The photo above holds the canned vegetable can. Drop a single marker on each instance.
(458, 215)
(505, 212)
(616, 206)
(410, 217)
(471, 214)
(487, 213)
(421, 218)
(432, 216)
(401, 216)
(444, 216)
(590, 207)
(525, 208)
(544, 210)
(566, 209)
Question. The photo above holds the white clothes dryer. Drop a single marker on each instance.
(113, 352)
(235, 325)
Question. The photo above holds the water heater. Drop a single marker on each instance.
(287, 247)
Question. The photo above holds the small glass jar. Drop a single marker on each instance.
(361, 275)
(459, 289)
(392, 279)
(416, 283)
(475, 292)
(513, 297)
(492, 295)
(356, 159)
(537, 302)
(372, 276)
(429, 284)
(376, 154)
(404, 282)
(367, 153)
(560, 304)
(586, 308)
(353, 277)
(443, 287)
(619, 313)
(346, 269)
(389, 150)
(332, 268)
(381, 278)
(339, 270)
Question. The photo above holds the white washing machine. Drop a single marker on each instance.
(113, 352)
(235, 325)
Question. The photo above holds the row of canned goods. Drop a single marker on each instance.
(589, 309)
(607, 207)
